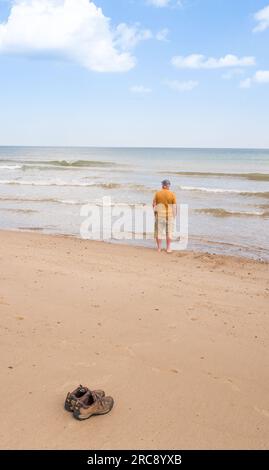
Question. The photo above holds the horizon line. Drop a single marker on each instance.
(134, 147)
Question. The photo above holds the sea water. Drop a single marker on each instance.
(227, 191)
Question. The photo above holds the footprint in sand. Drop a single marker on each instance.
(130, 352)
(234, 387)
(228, 381)
(262, 412)
(158, 370)
(126, 349)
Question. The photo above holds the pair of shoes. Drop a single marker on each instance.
(85, 403)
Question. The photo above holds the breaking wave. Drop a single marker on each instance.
(60, 163)
(264, 194)
(59, 182)
(226, 213)
(10, 167)
(248, 176)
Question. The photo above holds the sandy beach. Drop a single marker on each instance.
(180, 342)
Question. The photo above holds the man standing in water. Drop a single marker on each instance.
(165, 210)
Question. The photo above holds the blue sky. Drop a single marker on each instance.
(193, 73)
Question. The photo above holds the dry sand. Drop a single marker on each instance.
(179, 341)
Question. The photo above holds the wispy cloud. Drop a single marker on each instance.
(182, 86)
(165, 3)
(75, 30)
(159, 3)
(199, 61)
(127, 37)
(140, 89)
(262, 18)
(232, 73)
(162, 35)
(260, 77)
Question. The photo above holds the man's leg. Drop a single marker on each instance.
(168, 245)
(169, 235)
(157, 233)
(159, 244)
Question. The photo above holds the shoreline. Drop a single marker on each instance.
(251, 256)
(225, 193)
(179, 341)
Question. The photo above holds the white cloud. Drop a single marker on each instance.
(159, 3)
(260, 77)
(75, 30)
(127, 37)
(182, 86)
(262, 18)
(162, 35)
(199, 61)
(140, 89)
(165, 3)
(230, 74)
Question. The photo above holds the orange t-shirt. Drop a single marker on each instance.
(164, 200)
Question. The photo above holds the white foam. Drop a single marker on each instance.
(46, 183)
(10, 167)
(219, 190)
